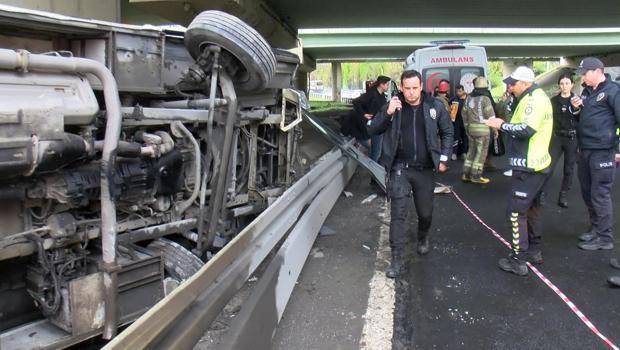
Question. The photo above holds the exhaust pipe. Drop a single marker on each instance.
(24, 61)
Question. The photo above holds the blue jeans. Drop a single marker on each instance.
(375, 147)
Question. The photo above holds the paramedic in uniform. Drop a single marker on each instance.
(417, 141)
(599, 116)
(529, 134)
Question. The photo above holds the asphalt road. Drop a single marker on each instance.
(328, 303)
(457, 297)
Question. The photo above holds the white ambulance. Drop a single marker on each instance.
(454, 61)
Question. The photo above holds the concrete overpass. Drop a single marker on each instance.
(527, 28)
(372, 30)
(353, 44)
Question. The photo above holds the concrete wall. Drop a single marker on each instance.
(106, 10)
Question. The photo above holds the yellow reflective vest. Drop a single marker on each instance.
(530, 131)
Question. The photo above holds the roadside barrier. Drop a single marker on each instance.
(180, 319)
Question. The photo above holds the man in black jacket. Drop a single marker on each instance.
(412, 153)
(366, 107)
(599, 117)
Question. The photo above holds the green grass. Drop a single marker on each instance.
(321, 106)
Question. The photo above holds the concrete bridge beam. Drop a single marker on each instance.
(609, 59)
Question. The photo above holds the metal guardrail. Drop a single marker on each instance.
(376, 171)
(328, 97)
(181, 319)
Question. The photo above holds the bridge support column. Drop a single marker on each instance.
(301, 82)
(336, 81)
(307, 64)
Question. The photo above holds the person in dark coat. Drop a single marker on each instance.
(456, 109)
(599, 118)
(564, 137)
(417, 143)
(366, 107)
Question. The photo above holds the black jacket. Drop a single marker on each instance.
(564, 118)
(369, 102)
(599, 116)
(438, 126)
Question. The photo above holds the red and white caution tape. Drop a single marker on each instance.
(557, 290)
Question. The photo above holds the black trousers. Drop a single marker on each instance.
(461, 142)
(403, 183)
(568, 146)
(596, 171)
(524, 209)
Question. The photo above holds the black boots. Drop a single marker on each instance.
(517, 263)
(401, 255)
(396, 265)
(514, 264)
(423, 246)
(562, 202)
(533, 255)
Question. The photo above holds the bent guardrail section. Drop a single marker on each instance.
(179, 320)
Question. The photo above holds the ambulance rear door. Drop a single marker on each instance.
(458, 64)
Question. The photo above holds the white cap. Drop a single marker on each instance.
(522, 73)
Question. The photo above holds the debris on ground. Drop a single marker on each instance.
(317, 253)
(326, 231)
(442, 189)
(369, 198)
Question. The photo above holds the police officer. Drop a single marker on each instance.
(417, 141)
(529, 134)
(599, 116)
(564, 139)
